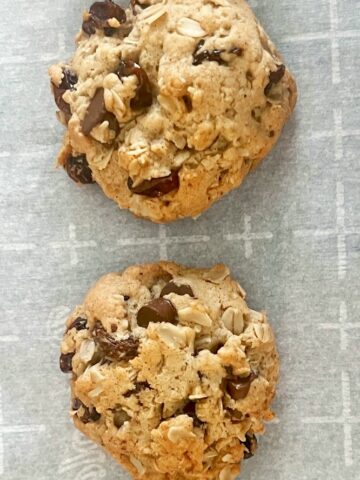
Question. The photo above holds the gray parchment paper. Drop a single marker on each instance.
(291, 235)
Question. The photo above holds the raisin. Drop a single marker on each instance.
(78, 169)
(66, 362)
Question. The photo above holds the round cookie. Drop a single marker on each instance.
(172, 373)
(171, 103)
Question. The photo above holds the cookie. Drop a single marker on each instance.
(171, 103)
(172, 373)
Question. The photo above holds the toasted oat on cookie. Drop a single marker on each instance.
(172, 373)
(170, 104)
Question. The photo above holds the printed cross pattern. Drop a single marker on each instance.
(345, 419)
(248, 236)
(340, 231)
(343, 326)
(73, 245)
(162, 241)
(6, 429)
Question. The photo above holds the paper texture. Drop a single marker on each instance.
(291, 236)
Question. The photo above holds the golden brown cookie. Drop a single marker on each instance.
(172, 373)
(170, 103)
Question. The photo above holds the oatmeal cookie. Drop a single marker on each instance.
(172, 373)
(170, 103)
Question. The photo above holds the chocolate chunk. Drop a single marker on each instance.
(238, 387)
(250, 445)
(190, 410)
(68, 82)
(173, 287)
(207, 55)
(79, 323)
(96, 112)
(126, 298)
(120, 417)
(78, 169)
(275, 78)
(90, 415)
(158, 310)
(123, 349)
(156, 187)
(100, 13)
(143, 96)
(66, 362)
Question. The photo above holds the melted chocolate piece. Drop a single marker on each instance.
(96, 112)
(238, 387)
(274, 78)
(143, 97)
(156, 187)
(158, 310)
(123, 349)
(209, 55)
(173, 287)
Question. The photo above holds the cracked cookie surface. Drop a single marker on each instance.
(172, 373)
(171, 103)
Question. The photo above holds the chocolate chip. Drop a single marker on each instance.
(190, 410)
(156, 187)
(114, 327)
(68, 82)
(66, 362)
(207, 55)
(100, 13)
(250, 446)
(120, 417)
(76, 404)
(96, 112)
(90, 415)
(79, 323)
(143, 96)
(78, 169)
(238, 387)
(123, 349)
(158, 310)
(173, 287)
(126, 298)
(275, 78)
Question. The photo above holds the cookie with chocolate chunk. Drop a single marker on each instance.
(172, 103)
(171, 371)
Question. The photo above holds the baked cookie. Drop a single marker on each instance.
(172, 373)
(170, 103)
